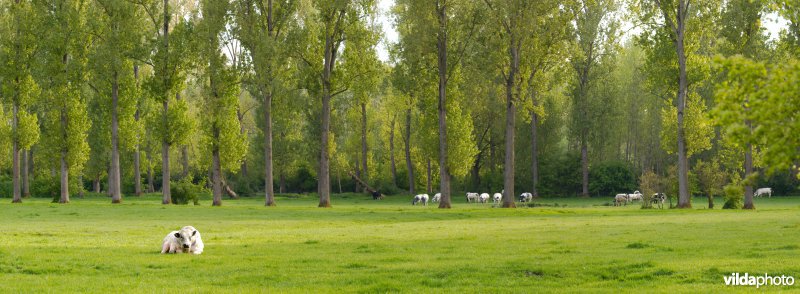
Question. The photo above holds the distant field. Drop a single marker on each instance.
(361, 245)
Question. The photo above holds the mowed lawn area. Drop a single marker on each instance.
(361, 245)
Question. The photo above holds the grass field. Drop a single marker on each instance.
(361, 245)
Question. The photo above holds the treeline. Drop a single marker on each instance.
(258, 97)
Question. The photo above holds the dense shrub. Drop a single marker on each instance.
(610, 178)
(734, 192)
(184, 191)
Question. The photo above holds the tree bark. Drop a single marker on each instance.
(165, 177)
(684, 199)
(365, 174)
(137, 171)
(269, 193)
(441, 45)
(511, 121)
(330, 50)
(534, 152)
(429, 187)
(216, 173)
(407, 147)
(116, 196)
(165, 144)
(96, 184)
(26, 192)
(64, 177)
(15, 157)
(391, 151)
(748, 170)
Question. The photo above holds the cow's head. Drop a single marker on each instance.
(187, 236)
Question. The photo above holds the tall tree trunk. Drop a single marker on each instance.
(339, 180)
(358, 174)
(511, 121)
(184, 150)
(116, 196)
(748, 170)
(80, 186)
(282, 185)
(391, 151)
(15, 157)
(441, 45)
(365, 174)
(535, 152)
(165, 143)
(269, 193)
(64, 178)
(684, 199)
(407, 148)
(96, 184)
(165, 177)
(324, 182)
(429, 187)
(137, 171)
(584, 163)
(216, 172)
(26, 192)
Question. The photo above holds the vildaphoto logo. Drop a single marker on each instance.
(735, 279)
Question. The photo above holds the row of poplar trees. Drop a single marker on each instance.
(701, 78)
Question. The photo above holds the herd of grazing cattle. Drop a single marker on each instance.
(471, 197)
(657, 199)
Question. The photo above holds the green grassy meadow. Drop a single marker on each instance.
(361, 245)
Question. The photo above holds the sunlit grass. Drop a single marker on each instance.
(361, 245)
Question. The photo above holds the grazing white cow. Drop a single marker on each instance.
(484, 197)
(525, 197)
(423, 198)
(658, 198)
(635, 196)
(472, 197)
(497, 197)
(761, 191)
(436, 197)
(187, 239)
(620, 199)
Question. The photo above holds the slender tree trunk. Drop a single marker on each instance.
(30, 168)
(511, 121)
(25, 184)
(116, 196)
(358, 174)
(96, 184)
(391, 151)
(710, 201)
(216, 173)
(535, 153)
(684, 199)
(165, 177)
(150, 182)
(165, 144)
(441, 45)
(15, 158)
(64, 178)
(429, 187)
(748, 170)
(324, 182)
(365, 174)
(339, 180)
(476, 172)
(137, 171)
(80, 186)
(584, 164)
(407, 148)
(269, 193)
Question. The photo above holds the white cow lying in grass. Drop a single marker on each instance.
(525, 197)
(436, 197)
(762, 191)
(472, 197)
(187, 239)
(420, 198)
(484, 197)
(496, 198)
(621, 199)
